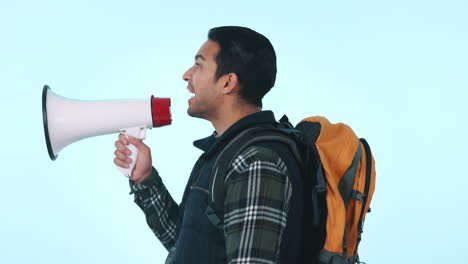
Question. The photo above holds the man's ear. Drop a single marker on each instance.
(230, 83)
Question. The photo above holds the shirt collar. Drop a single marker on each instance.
(211, 142)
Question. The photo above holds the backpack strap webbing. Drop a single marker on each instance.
(249, 137)
(365, 196)
(345, 187)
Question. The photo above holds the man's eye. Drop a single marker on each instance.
(197, 65)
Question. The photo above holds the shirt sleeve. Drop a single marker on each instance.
(257, 195)
(160, 210)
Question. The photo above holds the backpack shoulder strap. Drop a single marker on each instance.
(368, 191)
(247, 138)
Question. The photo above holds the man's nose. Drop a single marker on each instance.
(187, 76)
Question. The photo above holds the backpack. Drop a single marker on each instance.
(338, 172)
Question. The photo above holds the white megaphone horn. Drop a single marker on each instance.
(67, 120)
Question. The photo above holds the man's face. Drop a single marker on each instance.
(201, 82)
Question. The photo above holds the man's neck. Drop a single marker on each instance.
(230, 116)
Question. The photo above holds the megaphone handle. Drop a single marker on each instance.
(136, 132)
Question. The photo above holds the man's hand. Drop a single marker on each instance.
(143, 166)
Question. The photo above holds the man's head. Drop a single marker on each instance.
(250, 56)
(234, 62)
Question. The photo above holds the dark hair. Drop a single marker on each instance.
(250, 56)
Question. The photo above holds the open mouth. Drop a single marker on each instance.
(190, 89)
(192, 92)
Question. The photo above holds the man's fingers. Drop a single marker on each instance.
(121, 163)
(123, 139)
(122, 156)
(121, 147)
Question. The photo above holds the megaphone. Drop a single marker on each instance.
(67, 121)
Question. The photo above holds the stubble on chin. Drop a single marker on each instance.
(192, 113)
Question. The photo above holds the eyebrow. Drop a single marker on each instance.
(199, 56)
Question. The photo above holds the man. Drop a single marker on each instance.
(233, 70)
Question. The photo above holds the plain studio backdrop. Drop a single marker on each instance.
(396, 71)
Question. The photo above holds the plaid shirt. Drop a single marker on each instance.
(258, 191)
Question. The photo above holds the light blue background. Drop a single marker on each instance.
(396, 71)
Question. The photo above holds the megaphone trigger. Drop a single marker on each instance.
(136, 132)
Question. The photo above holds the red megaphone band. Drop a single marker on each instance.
(161, 111)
